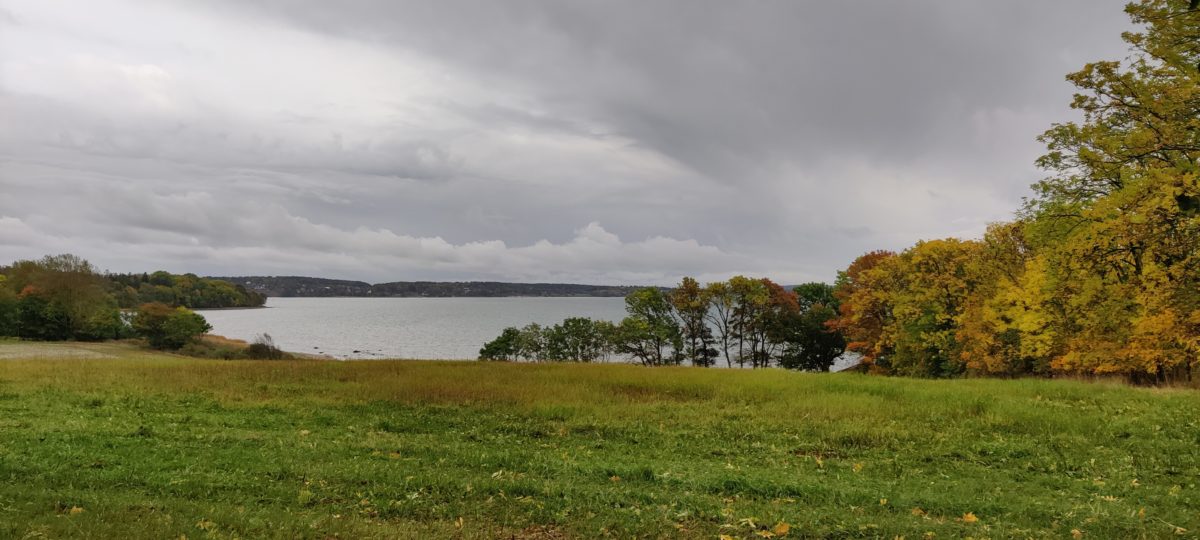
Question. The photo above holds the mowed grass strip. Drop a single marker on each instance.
(141, 445)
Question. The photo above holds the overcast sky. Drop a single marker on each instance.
(568, 141)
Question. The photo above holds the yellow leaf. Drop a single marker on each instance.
(882, 502)
(858, 467)
(781, 528)
(76, 510)
(1076, 534)
(969, 517)
(614, 478)
(917, 512)
(458, 523)
(724, 537)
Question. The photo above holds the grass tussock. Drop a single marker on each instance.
(142, 445)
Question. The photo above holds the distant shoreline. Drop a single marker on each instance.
(310, 287)
(431, 298)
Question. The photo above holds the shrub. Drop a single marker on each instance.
(168, 328)
(503, 348)
(264, 348)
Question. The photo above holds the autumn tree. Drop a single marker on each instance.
(901, 312)
(779, 318)
(1005, 325)
(749, 303)
(863, 292)
(691, 303)
(62, 297)
(938, 276)
(721, 302)
(1118, 220)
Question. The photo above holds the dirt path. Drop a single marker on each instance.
(16, 350)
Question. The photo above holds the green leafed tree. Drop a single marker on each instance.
(166, 327)
(810, 343)
(578, 339)
(505, 348)
(9, 310)
(650, 333)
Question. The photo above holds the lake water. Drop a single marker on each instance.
(424, 328)
(418, 328)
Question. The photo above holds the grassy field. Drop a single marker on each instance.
(106, 441)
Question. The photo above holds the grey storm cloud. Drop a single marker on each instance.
(610, 142)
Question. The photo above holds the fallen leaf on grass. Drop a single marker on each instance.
(76, 510)
(969, 517)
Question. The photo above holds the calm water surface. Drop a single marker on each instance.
(426, 328)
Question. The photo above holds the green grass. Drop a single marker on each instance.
(139, 445)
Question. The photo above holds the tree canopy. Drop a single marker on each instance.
(1100, 272)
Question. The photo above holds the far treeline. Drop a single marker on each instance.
(1099, 274)
(296, 286)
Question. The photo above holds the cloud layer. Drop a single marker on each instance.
(613, 142)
